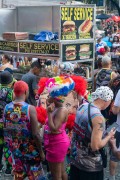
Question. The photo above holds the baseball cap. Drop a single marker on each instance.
(6, 77)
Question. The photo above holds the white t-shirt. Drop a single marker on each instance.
(117, 104)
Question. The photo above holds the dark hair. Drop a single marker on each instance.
(36, 64)
(9, 59)
(117, 39)
(106, 48)
(99, 63)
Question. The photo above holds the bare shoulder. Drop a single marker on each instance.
(32, 109)
(62, 112)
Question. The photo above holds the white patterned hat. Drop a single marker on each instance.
(104, 93)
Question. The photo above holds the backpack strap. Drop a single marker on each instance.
(89, 117)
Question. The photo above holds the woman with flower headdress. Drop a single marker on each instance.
(56, 141)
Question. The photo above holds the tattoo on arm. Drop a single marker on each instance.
(101, 126)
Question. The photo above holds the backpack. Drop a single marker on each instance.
(5, 98)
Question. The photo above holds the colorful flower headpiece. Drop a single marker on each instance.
(59, 86)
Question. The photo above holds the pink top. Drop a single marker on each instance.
(61, 129)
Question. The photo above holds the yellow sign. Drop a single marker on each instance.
(77, 23)
(39, 48)
(9, 46)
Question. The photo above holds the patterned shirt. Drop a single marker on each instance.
(6, 95)
(81, 154)
(18, 135)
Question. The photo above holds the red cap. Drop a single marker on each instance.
(20, 87)
(102, 51)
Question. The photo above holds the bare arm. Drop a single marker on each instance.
(96, 139)
(35, 129)
(60, 117)
(115, 110)
(113, 75)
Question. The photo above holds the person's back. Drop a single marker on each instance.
(17, 132)
(31, 80)
(103, 77)
(106, 73)
(88, 160)
(6, 96)
(20, 136)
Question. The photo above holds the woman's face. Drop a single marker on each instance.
(116, 39)
(4, 61)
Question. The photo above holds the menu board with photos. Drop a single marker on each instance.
(77, 51)
(77, 23)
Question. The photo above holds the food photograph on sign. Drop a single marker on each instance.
(84, 52)
(77, 52)
(85, 28)
(77, 23)
(70, 53)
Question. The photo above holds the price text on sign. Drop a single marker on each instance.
(77, 23)
(39, 48)
(9, 46)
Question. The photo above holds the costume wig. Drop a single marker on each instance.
(70, 122)
(42, 84)
(41, 114)
(59, 86)
(80, 84)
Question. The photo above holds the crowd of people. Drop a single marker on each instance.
(53, 121)
(62, 128)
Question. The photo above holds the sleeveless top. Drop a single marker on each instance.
(82, 155)
(17, 133)
(103, 77)
(61, 129)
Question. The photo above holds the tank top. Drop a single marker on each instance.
(17, 133)
(81, 154)
(103, 77)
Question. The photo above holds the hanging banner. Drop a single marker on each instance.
(39, 48)
(77, 51)
(77, 23)
(10, 46)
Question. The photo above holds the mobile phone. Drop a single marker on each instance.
(114, 125)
